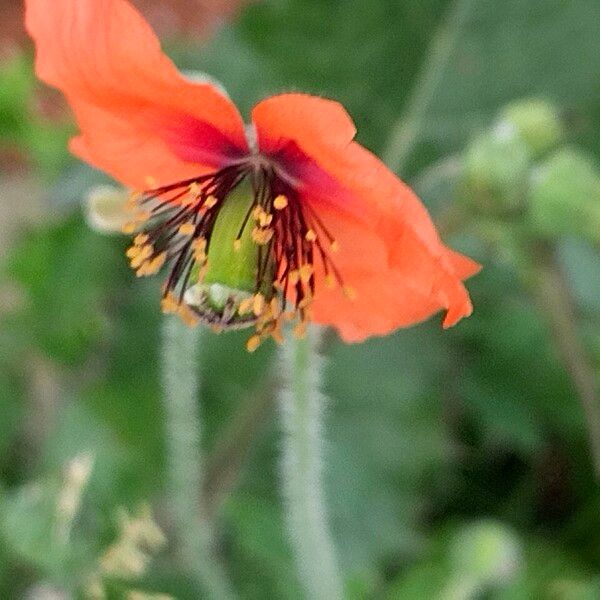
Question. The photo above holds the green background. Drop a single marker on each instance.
(442, 446)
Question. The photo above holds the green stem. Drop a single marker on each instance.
(406, 131)
(180, 356)
(554, 297)
(301, 413)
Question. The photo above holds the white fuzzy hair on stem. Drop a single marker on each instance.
(302, 408)
(180, 383)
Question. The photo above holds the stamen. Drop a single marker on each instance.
(258, 305)
(262, 236)
(289, 256)
(280, 202)
(210, 202)
(253, 343)
(306, 272)
(140, 239)
(187, 229)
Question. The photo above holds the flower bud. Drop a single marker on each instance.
(565, 196)
(537, 123)
(487, 553)
(106, 208)
(495, 171)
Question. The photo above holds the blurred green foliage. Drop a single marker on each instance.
(428, 431)
(23, 126)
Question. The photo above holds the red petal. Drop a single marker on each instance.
(139, 117)
(390, 252)
(315, 124)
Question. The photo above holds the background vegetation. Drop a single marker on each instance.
(459, 463)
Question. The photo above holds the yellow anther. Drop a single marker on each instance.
(210, 201)
(133, 200)
(253, 343)
(199, 248)
(300, 330)
(329, 281)
(188, 200)
(237, 245)
(349, 292)
(265, 219)
(199, 244)
(144, 253)
(156, 263)
(129, 227)
(276, 333)
(188, 316)
(141, 239)
(258, 304)
(294, 277)
(142, 216)
(310, 236)
(150, 181)
(169, 304)
(306, 272)
(132, 251)
(245, 306)
(335, 247)
(187, 229)
(194, 189)
(262, 236)
(280, 202)
(275, 308)
(304, 302)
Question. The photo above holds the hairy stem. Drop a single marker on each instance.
(301, 404)
(180, 355)
(554, 297)
(406, 131)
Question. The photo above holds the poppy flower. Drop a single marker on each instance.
(285, 219)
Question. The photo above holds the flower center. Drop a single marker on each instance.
(242, 248)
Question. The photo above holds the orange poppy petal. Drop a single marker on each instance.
(139, 117)
(390, 252)
(392, 286)
(317, 125)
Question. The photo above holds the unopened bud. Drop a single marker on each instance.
(537, 123)
(495, 172)
(106, 209)
(487, 553)
(565, 196)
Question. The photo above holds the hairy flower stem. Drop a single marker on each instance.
(408, 127)
(554, 297)
(180, 355)
(301, 404)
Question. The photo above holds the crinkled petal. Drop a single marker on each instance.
(317, 125)
(140, 119)
(390, 252)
